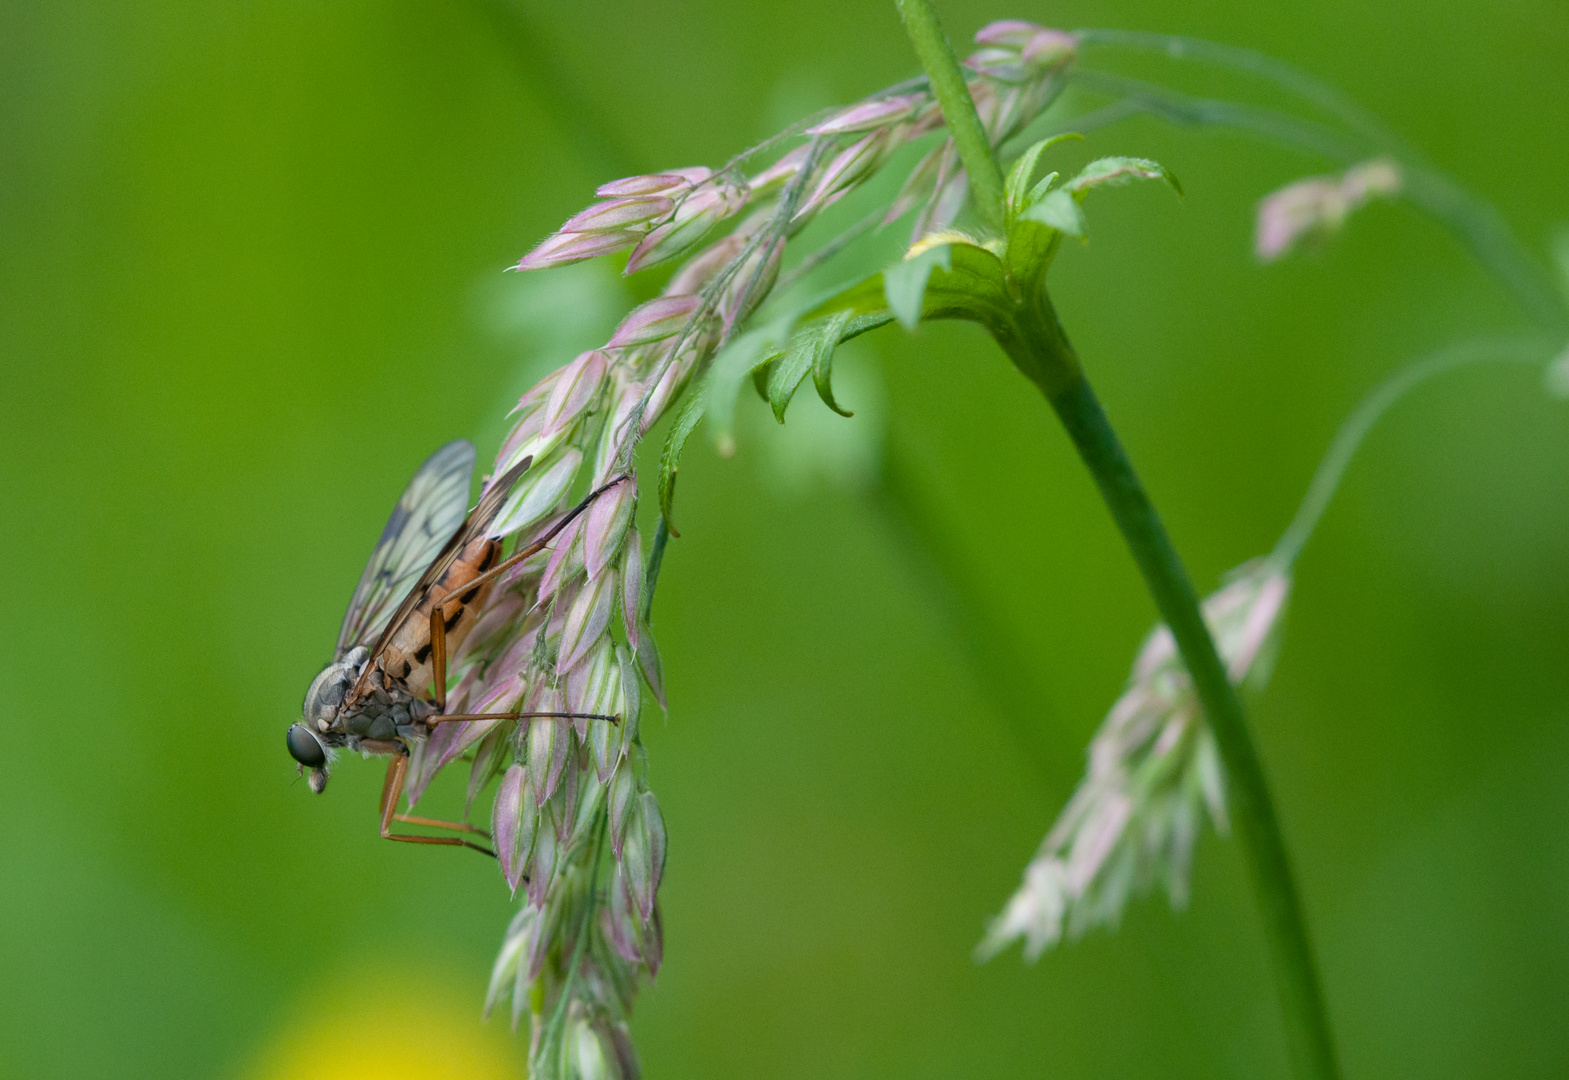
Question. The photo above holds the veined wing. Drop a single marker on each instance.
(476, 524)
(427, 516)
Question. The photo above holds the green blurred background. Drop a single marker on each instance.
(250, 277)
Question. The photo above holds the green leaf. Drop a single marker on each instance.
(742, 357)
(1018, 191)
(1117, 171)
(904, 283)
(1039, 190)
(669, 461)
(860, 324)
(805, 353)
(1561, 258)
(865, 297)
(1031, 248)
(1058, 210)
(823, 369)
(761, 375)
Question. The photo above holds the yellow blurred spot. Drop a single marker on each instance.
(391, 1024)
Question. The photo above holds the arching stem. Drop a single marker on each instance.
(1367, 414)
(1044, 355)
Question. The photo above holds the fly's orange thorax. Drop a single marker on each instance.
(406, 659)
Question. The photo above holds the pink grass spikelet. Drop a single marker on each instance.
(1153, 774)
(504, 824)
(563, 249)
(869, 115)
(1317, 207)
(670, 184)
(620, 214)
(654, 321)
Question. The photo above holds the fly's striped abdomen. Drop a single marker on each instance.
(406, 658)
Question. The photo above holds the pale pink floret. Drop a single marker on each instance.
(1008, 33)
(619, 214)
(660, 318)
(575, 387)
(562, 249)
(1294, 212)
(868, 115)
(1015, 51)
(848, 167)
(1049, 47)
(667, 183)
(504, 824)
(632, 586)
(780, 172)
(695, 215)
(606, 526)
(586, 620)
(1319, 205)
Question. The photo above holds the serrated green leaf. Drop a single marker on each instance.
(1058, 210)
(806, 351)
(1018, 192)
(1039, 190)
(823, 363)
(742, 357)
(670, 460)
(904, 283)
(1116, 171)
(860, 324)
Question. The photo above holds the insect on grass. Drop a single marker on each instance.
(429, 576)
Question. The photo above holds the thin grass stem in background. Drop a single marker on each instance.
(1474, 221)
(1332, 468)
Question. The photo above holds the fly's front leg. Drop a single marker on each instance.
(392, 790)
(457, 826)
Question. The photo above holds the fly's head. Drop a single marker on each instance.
(311, 739)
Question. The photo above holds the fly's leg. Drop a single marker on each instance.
(450, 718)
(438, 651)
(434, 824)
(438, 620)
(538, 545)
(397, 770)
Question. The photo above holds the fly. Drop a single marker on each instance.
(418, 598)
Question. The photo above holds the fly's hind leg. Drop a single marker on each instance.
(392, 790)
(438, 649)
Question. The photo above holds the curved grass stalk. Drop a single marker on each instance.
(1332, 467)
(1286, 76)
(1043, 353)
(1474, 221)
(1139, 95)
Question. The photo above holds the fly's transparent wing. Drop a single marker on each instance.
(427, 516)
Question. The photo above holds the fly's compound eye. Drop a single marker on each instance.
(305, 747)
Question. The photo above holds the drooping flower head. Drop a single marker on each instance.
(1317, 207)
(578, 832)
(1154, 775)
